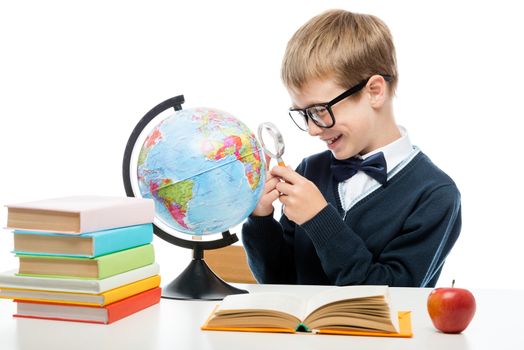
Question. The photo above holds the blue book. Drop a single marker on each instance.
(87, 245)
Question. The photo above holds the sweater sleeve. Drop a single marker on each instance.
(413, 258)
(269, 247)
(269, 250)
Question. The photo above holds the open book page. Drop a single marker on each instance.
(343, 293)
(373, 294)
(287, 303)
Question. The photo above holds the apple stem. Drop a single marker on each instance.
(452, 283)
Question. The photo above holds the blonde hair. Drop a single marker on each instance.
(340, 45)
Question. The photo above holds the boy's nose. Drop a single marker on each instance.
(313, 129)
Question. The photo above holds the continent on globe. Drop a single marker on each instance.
(204, 168)
(175, 197)
(242, 149)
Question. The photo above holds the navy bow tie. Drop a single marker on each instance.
(375, 166)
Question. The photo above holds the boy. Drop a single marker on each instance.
(372, 209)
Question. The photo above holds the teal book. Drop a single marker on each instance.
(87, 245)
(93, 268)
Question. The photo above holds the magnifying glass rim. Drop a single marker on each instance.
(277, 138)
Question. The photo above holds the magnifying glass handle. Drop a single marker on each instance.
(280, 161)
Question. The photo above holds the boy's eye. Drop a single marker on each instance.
(319, 112)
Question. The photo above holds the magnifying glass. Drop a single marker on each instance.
(278, 141)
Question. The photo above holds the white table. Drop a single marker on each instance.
(173, 324)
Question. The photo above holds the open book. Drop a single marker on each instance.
(352, 310)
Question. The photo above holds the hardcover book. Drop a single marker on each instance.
(91, 314)
(10, 279)
(100, 267)
(349, 310)
(80, 214)
(88, 245)
(101, 299)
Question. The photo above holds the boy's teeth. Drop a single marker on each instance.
(329, 142)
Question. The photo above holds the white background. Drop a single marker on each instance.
(76, 77)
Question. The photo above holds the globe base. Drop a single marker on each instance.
(198, 282)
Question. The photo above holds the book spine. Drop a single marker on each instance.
(128, 277)
(82, 299)
(131, 305)
(115, 311)
(9, 279)
(126, 291)
(125, 260)
(115, 240)
(129, 214)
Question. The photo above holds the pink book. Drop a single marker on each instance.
(80, 214)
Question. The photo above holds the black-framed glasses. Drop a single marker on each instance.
(321, 113)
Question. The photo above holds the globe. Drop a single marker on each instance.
(203, 168)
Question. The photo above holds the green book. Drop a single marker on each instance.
(91, 268)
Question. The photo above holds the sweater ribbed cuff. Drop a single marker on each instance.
(324, 225)
(261, 223)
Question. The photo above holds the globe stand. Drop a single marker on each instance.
(197, 281)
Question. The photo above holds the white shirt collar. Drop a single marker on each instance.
(396, 151)
(357, 187)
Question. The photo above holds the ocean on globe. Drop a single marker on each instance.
(203, 168)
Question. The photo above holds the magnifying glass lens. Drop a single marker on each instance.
(272, 141)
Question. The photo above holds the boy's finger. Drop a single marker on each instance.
(273, 196)
(268, 160)
(286, 173)
(271, 184)
(284, 188)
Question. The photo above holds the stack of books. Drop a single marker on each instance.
(82, 258)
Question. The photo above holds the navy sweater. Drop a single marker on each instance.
(398, 235)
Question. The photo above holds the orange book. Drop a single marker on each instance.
(63, 297)
(90, 314)
(349, 310)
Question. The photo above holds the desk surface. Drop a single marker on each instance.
(173, 324)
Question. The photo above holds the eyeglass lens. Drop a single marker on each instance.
(320, 115)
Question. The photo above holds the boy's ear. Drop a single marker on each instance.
(377, 91)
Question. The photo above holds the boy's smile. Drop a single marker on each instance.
(331, 141)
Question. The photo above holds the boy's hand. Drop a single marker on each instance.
(302, 200)
(270, 194)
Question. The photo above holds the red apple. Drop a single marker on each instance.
(451, 309)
